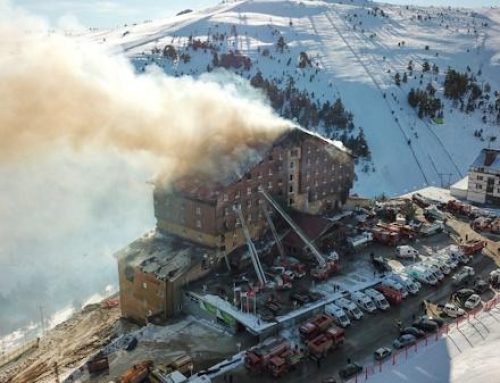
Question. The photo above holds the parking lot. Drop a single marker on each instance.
(380, 329)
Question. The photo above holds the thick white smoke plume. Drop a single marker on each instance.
(80, 134)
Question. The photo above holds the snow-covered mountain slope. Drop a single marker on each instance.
(355, 50)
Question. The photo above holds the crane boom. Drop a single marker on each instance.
(279, 245)
(319, 258)
(251, 248)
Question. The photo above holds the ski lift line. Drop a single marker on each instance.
(251, 248)
(378, 87)
(319, 258)
(426, 124)
(279, 245)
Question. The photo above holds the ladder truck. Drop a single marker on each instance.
(325, 267)
(251, 248)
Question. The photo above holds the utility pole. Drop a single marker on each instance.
(442, 179)
(56, 372)
(42, 319)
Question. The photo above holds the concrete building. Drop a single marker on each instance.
(151, 272)
(197, 226)
(484, 178)
(301, 170)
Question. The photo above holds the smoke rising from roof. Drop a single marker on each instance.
(81, 132)
(54, 88)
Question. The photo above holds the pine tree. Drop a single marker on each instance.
(405, 78)
(397, 79)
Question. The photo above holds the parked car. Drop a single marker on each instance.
(480, 286)
(404, 341)
(350, 370)
(130, 343)
(382, 353)
(462, 295)
(406, 251)
(463, 276)
(417, 333)
(453, 310)
(426, 325)
(472, 302)
(437, 320)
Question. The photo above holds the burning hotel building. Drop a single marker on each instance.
(198, 218)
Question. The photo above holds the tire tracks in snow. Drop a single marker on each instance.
(363, 39)
(357, 57)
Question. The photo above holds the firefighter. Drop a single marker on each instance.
(399, 325)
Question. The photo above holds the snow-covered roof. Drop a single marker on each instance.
(461, 184)
(488, 160)
(164, 255)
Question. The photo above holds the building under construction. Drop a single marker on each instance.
(202, 221)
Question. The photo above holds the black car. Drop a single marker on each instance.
(130, 343)
(426, 325)
(480, 286)
(417, 333)
(350, 370)
(300, 298)
(438, 321)
(463, 294)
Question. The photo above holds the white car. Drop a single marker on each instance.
(453, 311)
(472, 302)
(405, 251)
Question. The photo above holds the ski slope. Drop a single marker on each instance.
(355, 55)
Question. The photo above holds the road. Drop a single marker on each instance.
(376, 330)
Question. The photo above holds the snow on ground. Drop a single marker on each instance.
(356, 52)
(468, 354)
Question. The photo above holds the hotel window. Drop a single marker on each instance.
(479, 178)
(479, 186)
(249, 191)
(237, 195)
(226, 197)
(198, 224)
(292, 164)
(291, 201)
(291, 177)
(269, 185)
(270, 171)
(291, 188)
(198, 210)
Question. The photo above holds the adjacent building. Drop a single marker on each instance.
(484, 178)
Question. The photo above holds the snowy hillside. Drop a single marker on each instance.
(352, 52)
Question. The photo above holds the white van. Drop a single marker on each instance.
(363, 301)
(408, 283)
(443, 267)
(350, 308)
(406, 251)
(339, 316)
(378, 299)
(421, 274)
(434, 270)
(455, 253)
(436, 227)
(396, 286)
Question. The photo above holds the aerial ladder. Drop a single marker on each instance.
(319, 257)
(270, 222)
(324, 267)
(251, 248)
